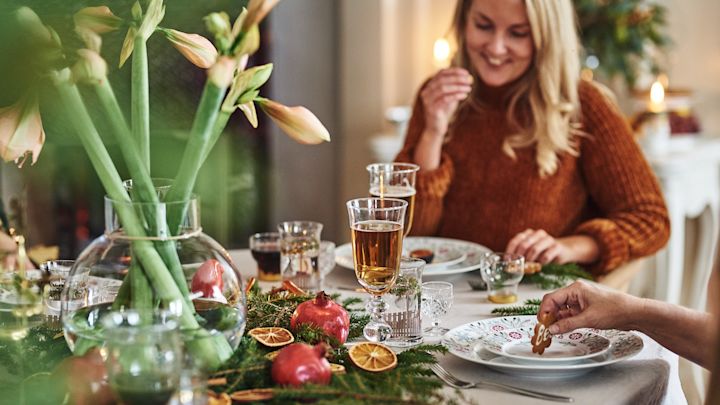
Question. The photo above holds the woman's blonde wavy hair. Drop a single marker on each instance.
(549, 88)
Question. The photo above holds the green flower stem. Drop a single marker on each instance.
(195, 151)
(214, 351)
(218, 129)
(141, 293)
(140, 99)
(141, 181)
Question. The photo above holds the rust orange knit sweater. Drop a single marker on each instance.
(480, 194)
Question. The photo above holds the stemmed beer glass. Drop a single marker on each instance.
(395, 180)
(377, 234)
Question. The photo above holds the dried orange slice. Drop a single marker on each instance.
(272, 336)
(218, 399)
(337, 368)
(253, 395)
(373, 357)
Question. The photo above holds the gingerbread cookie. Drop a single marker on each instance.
(541, 338)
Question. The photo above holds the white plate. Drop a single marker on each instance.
(463, 342)
(471, 250)
(445, 251)
(568, 347)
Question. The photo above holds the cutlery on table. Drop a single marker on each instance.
(455, 382)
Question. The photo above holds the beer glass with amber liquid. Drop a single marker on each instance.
(395, 180)
(377, 233)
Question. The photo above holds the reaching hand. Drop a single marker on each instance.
(582, 305)
(440, 98)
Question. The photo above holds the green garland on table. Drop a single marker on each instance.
(26, 364)
(553, 276)
(529, 307)
(411, 382)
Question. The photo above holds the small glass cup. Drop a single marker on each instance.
(502, 273)
(437, 298)
(299, 253)
(58, 271)
(265, 249)
(403, 301)
(327, 258)
(144, 356)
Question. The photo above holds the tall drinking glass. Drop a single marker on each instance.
(395, 180)
(377, 233)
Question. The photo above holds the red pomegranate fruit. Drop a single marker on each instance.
(208, 280)
(301, 363)
(324, 313)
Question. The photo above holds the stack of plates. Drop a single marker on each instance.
(504, 345)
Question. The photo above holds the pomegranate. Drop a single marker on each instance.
(208, 280)
(324, 313)
(301, 363)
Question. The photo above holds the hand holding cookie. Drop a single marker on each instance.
(541, 335)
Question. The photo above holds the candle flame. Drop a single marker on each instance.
(657, 93)
(441, 52)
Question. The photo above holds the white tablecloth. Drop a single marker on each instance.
(641, 380)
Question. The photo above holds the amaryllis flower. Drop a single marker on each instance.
(90, 67)
(195, 48)
(21, 131)
(297, 122)
(97, 19)
(257, 10)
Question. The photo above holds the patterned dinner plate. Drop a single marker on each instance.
(454, 256)
(464, 342)
(568, 347)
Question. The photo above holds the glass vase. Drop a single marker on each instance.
(139, 263)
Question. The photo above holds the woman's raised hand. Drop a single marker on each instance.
(440, 98)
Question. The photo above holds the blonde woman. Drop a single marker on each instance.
(518, 154)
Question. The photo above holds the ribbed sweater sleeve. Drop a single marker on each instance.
(635, 221)
(431, 185)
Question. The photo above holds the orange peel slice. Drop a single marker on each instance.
(272, 336)
(373, 357)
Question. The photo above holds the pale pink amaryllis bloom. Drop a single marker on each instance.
(297, 122)
(195, 48)
(257, 10)
(97, 19)
(90, 67)
(21, 131)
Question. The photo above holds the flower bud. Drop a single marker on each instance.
(297, 122)
(221, 72)
(257, 10)
(90, 67)
(244, 86)
(21, 131)
(91, 39)
(249, 110)
(97, 19)
(250, 42)
(195, 48)
(218, 23)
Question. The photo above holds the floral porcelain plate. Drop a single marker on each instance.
(569, 347)
(464, 340)
(452, 256)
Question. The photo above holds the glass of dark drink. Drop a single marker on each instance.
(144, 356)
(265, 249)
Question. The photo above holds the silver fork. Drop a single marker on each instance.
(455, 382)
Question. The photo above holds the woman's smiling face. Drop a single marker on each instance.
(498, 40)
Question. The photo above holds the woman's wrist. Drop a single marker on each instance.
(581, 249)
(428, 151)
